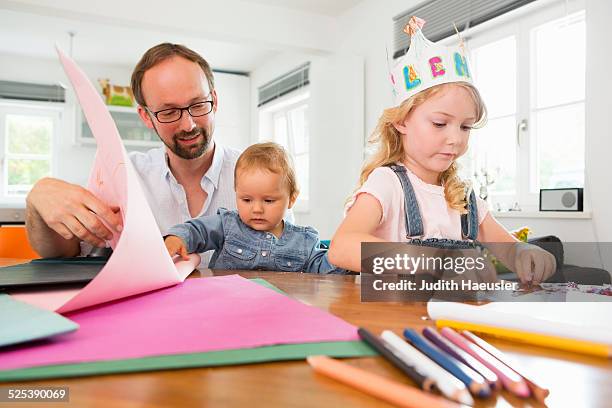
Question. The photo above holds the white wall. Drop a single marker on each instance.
(233, 124)
(336, 127)
(367, 30)
(73, 160)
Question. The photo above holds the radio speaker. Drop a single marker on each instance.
(561, 199)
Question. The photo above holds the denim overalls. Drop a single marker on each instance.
(414, 221)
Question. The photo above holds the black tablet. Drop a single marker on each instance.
(48, 272)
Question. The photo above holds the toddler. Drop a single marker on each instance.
(255, 236)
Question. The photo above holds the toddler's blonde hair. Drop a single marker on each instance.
(269, 156)
(390, 150)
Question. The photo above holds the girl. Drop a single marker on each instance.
(409, 189)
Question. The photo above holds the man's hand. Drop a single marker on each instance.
(72, 211)
(175, 245)
(533, 264)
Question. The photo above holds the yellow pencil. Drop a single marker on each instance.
(544, 340)
(391, 391)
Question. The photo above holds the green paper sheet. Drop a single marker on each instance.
(21, 322)
(283, 352)
(210, 359)
(268, 285)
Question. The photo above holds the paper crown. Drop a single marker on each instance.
(427, 64)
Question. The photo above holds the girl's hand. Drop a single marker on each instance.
(533, 264)
(175, 245)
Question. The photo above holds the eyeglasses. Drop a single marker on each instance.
(174, 114)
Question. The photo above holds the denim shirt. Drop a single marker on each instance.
(238, 246)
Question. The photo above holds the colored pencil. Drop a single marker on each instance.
(511, 380)
(451, 349)
(543, 340)
(448, 385)
(378, 345)
(540, 393)
(474, 381)
(375, 385)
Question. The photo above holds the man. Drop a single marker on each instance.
(191, 176)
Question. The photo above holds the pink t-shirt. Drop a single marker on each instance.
(439, 220)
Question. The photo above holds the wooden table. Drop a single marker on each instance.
(574, 380)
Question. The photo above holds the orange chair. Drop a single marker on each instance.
(14, 243)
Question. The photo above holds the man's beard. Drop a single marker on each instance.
(193, 151)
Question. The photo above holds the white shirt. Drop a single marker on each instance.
(167, 197)
(439, 220)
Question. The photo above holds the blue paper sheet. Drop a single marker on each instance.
(21, 322)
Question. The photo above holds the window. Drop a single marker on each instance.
(490, 62)
(558, 109)
(27, 134)
(531, 74)
(285, 122)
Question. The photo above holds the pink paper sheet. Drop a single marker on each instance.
(199, 315)
(140, 261)
(51, 299)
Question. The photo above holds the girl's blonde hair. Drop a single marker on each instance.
(390, 150)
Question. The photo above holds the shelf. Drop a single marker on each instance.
(127, 109)
(581, 215)
(133, 132)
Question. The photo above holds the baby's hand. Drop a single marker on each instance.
(175, 245)
(533, 264)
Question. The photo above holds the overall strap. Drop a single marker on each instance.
(412, 214)
(469, 221)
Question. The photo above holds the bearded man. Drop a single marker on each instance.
(189, 177)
